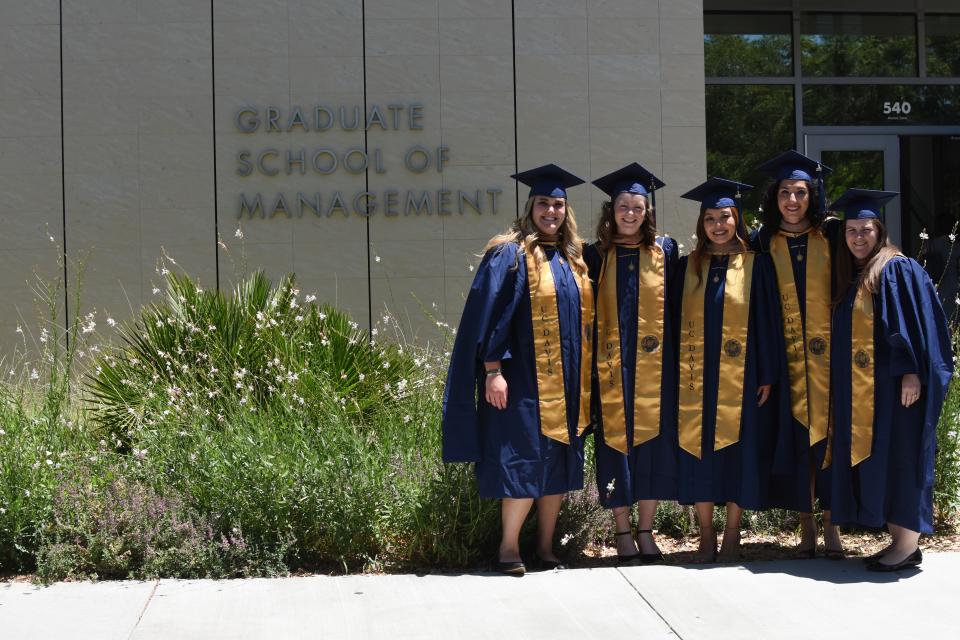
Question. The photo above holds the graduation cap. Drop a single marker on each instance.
(793, 165)
(632, 178)
(717, 193)
(548, 180)
(862, 204)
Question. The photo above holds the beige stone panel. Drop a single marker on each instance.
(326, 38)
(90, 113)
(194, 259)
(560, 112)
(624, 35)
(35, 12)
(111, 279)
(101, 191)
(475, 9)
(479, 146)
(29, 154)
(623, 8)
(233, 78)
(30, 192)
(476, 73)
(475, 228)
(613, 148)
(460, 255)
(475, 36)
(408, 226)
(100, 154)
(682, 36)
(402, 37)
(680, 216)
(100, 228)
(633, 108)
(35, 116)
(160, 153)
(489, 109)
(251, 38)
(339, 253)
(170, 78)
(249, 10)
(322, 76)
(90, 43)
(398, 73)
(186, 114)
(274, 258)
(93, 11)
(568, 148)
(31, 230)
(30, 80)
(174, 11)
(683, 145)
(169, 226)
(21, 267)
(177, 189)
(457, 289)
(333, 9)
(29, 43)
(681, 71)
(635, 71)
(688, 9)
(400, 10)
(551, 8)
(544, 74)
(542, 35)
(683, 108)
(410, 301)
(497, 210)
(408, 259)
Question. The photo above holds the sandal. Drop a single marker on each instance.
(631, 557)
(649, 558)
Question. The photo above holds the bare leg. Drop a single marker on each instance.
(625, 544)
(808, 524)
(831, 536)
(647, 510)
(513, 511)
(905, 542)
(707, 552)
(548, 508)
(730, 550)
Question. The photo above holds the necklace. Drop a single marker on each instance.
(718, 269)
(798, 246)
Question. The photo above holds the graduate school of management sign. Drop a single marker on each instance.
(303, 154)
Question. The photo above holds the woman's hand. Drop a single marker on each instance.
(763, 393)
(909, 389)
(496, 391)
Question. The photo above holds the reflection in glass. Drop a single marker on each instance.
(865, 45)
(943, 45)
(746, 125)
(852, 170)
(847, 104)
(744, 45)
(930, 202)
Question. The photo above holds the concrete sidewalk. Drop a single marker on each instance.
(782, 599)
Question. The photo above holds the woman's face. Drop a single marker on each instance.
(629, 212)
(720, 225)
(549, 214)
(793, 198)
(862, 237)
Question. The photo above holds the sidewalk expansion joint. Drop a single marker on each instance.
(156, 583)
(650, 604)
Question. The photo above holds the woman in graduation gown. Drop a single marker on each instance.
(796, 234)
(519, 365)
(635, 416)
(892, 362)
(729, 336)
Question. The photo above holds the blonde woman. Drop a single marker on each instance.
(521, 361)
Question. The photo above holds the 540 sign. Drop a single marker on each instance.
(897, 110)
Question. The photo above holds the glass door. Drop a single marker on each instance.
(864, 162)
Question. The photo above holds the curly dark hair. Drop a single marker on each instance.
(607, 226)
(770, 214)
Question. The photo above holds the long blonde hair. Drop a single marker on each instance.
(869, 278)
(524, 233)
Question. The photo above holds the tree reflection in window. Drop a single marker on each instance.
(747, 45)
(858, 45)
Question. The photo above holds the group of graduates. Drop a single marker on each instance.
(806, 361)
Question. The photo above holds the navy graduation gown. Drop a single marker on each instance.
(513, 458)
(793, 458)
(910, 335)
(739, 472)
(649, 471)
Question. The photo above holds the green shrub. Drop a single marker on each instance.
(946, 490)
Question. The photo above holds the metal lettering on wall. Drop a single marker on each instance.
(319, 162)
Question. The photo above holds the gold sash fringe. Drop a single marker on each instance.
(733, 354)
(861, 382)
(547, 349)
(808, 359)
(651, 296)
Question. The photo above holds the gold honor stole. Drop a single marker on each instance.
(808, 360)
(546, 345)
(651, 295)
(861, 378)
(733, 354)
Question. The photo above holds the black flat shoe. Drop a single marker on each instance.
(876, 556)
(550, 565)
(630, 558)
(516, 568)
(912, 560)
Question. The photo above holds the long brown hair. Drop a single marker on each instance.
(869, 276)
(607, 226)
(524, 233)
(699, 253)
